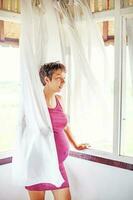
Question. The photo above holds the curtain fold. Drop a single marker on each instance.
(88, 84)
(35, 159)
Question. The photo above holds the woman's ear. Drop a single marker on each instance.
(46, 79)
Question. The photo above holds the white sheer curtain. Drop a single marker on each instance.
(36, 159)
(87, 70)
(67, 33)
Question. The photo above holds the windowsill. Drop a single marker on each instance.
(6, 157)
(6, 160)
(104, 158)
(90, 155)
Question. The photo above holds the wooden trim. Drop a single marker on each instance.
(10, 41)
(109, 40)
(4, 161)
(2, 38)
(1, 4)
(92, 158)
(16, 40)
(105, 161)
(105, 30)
(108, 4)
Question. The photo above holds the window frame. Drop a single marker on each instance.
(118, 14)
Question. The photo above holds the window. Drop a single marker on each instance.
(127, 106)
(101, 5)
(11, 5)
(9, 84)
(119, 44)
(107, 32)
(95, 127)
(126, 3)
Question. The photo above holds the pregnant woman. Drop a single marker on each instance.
(52, 76)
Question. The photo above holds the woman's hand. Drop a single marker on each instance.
(82, 146)
(73, 142)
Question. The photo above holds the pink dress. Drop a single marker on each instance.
(59, 121)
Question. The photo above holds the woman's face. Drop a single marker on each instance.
(57, 82)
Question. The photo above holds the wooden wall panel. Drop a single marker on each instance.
(2, 37)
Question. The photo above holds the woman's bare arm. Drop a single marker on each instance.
(72, 140)
(68, 132)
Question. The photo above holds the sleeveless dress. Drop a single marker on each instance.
(59, 121)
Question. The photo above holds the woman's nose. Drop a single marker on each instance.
(63, 81)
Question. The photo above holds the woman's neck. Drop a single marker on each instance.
(50, 97)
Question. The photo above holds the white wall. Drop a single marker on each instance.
(94, 181)
(88, 181)
(8, 191)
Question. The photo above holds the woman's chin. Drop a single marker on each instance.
(59, 89)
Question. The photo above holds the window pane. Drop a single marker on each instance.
(126, 3)
(11, 5)
(101, 5)
(9, 95)
(127, 122)
(105, 142)
(91, 130)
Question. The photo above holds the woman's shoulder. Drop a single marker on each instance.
(58, 96)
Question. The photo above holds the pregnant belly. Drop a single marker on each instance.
(62, 145)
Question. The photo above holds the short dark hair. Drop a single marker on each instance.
(48, 69)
